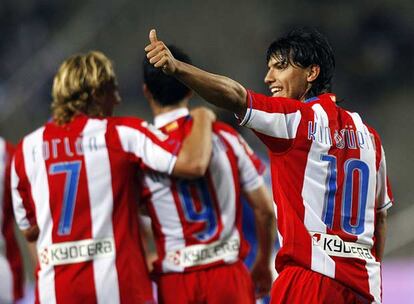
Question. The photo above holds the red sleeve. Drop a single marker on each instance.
(275, 120)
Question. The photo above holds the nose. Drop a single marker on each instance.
(268, 77)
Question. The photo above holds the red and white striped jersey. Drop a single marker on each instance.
(329, 181)
(77, 182)
(197, 224)
(11, 264)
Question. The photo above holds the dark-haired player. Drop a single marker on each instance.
(197, 224)
(328, 169)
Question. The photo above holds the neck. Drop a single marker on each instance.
(158, 109)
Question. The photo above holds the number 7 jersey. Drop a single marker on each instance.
(77, 184)
(329, 181)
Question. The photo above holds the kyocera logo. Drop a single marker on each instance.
(316, 237)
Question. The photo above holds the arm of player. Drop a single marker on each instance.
(380, 233)
(195, 154)
(31, 234)
(216, 89)
(262, 205)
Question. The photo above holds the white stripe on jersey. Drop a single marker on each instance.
(277, 125)
(143, 147)
(167, 214)
(367, 155)
(312, 194)
(226, 200)
(374, 280)
(98, 173)
(37, 175)
(18, 208)
(3, 158)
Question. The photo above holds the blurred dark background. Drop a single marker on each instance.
(373, 42)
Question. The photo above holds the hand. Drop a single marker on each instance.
(262, 278)
(159, 55)
(32, 233)
(204, 112)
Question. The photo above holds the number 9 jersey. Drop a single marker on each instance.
(77, 184)
(197, 224)
(329, 181)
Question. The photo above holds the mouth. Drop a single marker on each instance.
(275, 90)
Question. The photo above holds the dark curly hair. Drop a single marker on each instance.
(304, 47)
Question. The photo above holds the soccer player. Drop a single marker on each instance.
(197, 224)
(328, 169)
(74, 187)
(11, 264)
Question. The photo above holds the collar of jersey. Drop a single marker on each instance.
(165, 118)
(331, 96)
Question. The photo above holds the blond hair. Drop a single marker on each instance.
(79, 80)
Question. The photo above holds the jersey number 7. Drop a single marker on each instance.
(72, 171)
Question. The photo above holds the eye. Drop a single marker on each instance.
(281, 65)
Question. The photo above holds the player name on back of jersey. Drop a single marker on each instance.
(346, 138)
(70, 147)
(76, 252)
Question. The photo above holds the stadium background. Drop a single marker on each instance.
(372, 40)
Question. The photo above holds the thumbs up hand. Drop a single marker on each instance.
(159, 55)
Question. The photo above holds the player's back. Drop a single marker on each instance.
(326, 189)
(198, 223)
(82, 196)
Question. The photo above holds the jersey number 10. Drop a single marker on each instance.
(350, 166)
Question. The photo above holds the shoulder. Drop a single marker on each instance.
(131, 126)
(220, 126)
(271, 104)
(32, 138)
(127, 121)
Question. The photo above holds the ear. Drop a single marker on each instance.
(147, 92)
(313, 72)
(189, 95)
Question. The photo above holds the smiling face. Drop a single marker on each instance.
(287, 80)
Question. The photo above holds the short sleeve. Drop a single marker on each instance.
(149, 145)
(274, 120)
(384, 197)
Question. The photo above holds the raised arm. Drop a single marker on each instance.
(195, 154)
(218, 90)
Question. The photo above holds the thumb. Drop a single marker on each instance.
(153, 36)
